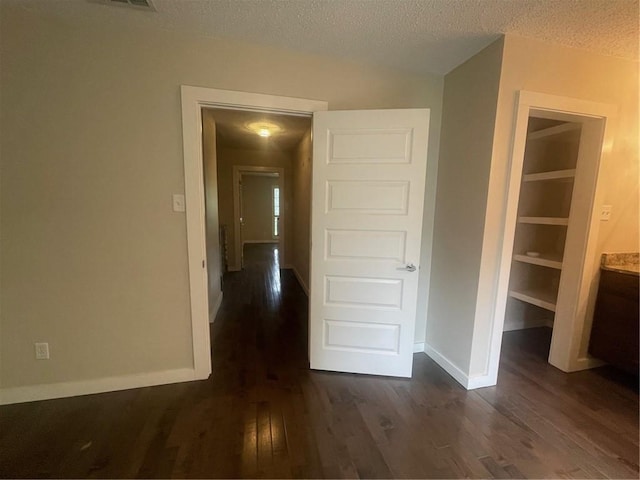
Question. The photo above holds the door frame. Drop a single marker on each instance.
(566, 352)
(238, 171)
(193, 99)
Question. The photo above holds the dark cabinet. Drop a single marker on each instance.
(614, 336)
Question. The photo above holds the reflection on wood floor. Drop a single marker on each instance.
(264, 414)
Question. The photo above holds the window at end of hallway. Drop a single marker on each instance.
(276, 212)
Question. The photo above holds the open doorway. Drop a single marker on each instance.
(262, 177)
(370, 187)
(549, 260)
(257, 199)
(257, 179)
(205, 251)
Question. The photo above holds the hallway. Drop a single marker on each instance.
(264, 414)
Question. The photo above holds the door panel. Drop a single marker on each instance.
(378, 198)
(368, 246)
(368, 193)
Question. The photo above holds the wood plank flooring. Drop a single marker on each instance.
(264, 414)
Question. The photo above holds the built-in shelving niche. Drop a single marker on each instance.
(544, 211)
(549, 258)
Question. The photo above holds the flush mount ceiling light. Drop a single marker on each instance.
(264, 129)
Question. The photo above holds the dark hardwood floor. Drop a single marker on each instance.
(264, 414)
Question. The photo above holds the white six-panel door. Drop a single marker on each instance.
(368, 192)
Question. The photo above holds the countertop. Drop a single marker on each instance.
(628, 263)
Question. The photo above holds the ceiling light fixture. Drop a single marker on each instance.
(264, 129)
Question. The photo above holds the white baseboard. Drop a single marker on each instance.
(49, 391)
(586, 363)
(481, 381)
(418, 347)
(213, 310)
(300, 280)
(448, 366)
(470, 383)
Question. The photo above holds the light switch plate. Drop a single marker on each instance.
(178, 202)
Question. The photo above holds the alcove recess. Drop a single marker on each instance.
(544, 207)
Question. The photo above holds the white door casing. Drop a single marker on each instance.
(368, 192)
(577, 291)
(193, 100)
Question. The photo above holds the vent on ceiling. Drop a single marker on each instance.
(137, 4)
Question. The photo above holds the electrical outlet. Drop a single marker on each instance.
(42, 351)
(605, 213)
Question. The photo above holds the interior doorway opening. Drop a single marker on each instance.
(259, 212)
(253, 210)
(261, 165)
(549, 261)
(204, 251)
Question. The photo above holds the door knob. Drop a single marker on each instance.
(409, 268)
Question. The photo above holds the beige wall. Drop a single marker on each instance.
(479, 106)
(230, 157)
(257, 208)
(301, 211)
(541, 67)
(214, 260)
(94, 261)
(469, 109)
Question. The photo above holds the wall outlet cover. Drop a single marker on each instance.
(605, 213)
(42, 351)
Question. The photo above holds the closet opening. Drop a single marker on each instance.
(550, 271)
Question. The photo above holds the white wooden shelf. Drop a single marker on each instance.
(544, 220)
(554, 175)
(551, 261)
(539, 298)
(557, 130)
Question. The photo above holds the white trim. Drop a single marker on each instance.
(196, 231)
(418, 347)
(586, 363)
(555, 107)
(280, 210)
(193, 100)
(299, 277)
(214, 310)
(481, 381)
(88, 387)
(447, 365)
(470, 383)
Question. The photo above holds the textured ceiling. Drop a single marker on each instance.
(416, 35)
(232, 131)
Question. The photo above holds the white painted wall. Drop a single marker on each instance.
(214, 260)
(541, 67)
(478, 119)
(301, 210)
(469, 109)
(94, 261)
